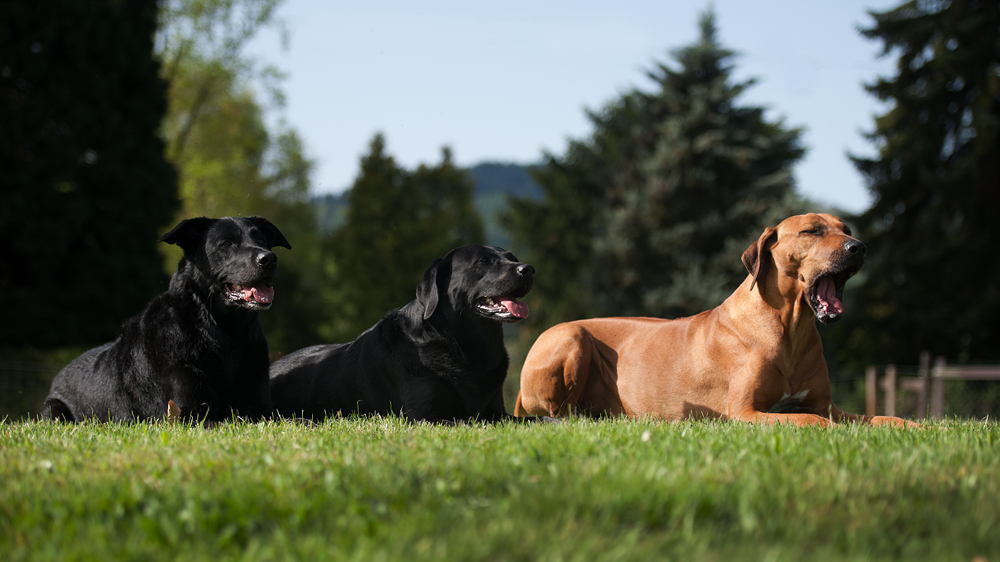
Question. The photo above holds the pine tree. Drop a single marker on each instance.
(398, 221)
(703, 177)
(933, 277)
(86, 188)
(649, 216)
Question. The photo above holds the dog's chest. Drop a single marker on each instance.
(789, 403)
(228, 358)
(239, 357)
(472, 385)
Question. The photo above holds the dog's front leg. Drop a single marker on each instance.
(752, 392)
(845, 417)
(756, 416)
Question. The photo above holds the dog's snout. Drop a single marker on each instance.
(855, 247)
(525, 270)
(267, 259)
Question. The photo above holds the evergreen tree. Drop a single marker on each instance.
(702, 177)
(556, 234)
(933, 277)
(649, 216)
(398, 221)
(86, 188)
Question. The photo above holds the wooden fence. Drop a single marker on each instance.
(928, 384)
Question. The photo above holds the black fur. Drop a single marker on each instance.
(199, 343)
(439, 358)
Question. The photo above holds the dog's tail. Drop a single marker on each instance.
(518, 408)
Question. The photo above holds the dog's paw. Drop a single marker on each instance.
(894, 422)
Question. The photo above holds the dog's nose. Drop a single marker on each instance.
(855, 247)
(267, 259)
(525, 270)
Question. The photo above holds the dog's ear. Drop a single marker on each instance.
(274, 236)
(753, 257)
(187, 234)
(427, 290)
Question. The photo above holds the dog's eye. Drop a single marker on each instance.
(811, 232)
(225, 244)
(260, 241)
(484, 260)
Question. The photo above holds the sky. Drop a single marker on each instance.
(508, 81)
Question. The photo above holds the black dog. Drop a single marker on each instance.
(439, 358)
(199, 344)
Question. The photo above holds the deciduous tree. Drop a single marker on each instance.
(231, 162)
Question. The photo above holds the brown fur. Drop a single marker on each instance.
(750, 358)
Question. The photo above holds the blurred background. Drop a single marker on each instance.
(630, 154)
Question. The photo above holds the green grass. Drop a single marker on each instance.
(382, 489)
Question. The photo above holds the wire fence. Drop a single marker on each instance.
(926, 391)
(848, 390)
(23, 387)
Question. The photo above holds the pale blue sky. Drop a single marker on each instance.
(506, 80)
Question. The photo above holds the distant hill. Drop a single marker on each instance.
(331, 211)
(494, 181)
(501, 177)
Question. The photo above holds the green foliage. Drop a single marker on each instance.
(398, 221)
(230, 162)
(933, 277)
(382, 489)
(649, 216)
(86, 187)
(556, 235)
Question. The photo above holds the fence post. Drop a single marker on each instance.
(937, 389)
(890, 390)
(870, 391)
(923, 372)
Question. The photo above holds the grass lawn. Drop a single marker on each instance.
(382, 489)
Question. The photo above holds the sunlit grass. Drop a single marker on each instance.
(381, 488)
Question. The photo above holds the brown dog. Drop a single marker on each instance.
(756, 357)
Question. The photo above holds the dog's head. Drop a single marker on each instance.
(232, 257)
(813, 255)
(485, 281)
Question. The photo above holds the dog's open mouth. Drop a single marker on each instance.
(257, 296)
(827, 293)
(505, 308)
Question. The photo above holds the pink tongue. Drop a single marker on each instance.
(516, 308)
(827, 293)
(263, 295)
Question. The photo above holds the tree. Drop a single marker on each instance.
(649, 215)
(933, 278)
(398, 221)
(702, 177)
(200, 43)
(229, 161)
(87, 190)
